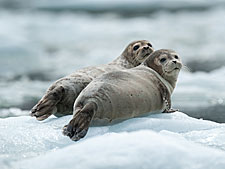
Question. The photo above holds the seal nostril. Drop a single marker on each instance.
(175, 61)
(146, 47)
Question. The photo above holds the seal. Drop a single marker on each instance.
(60, 97)
(124, 94)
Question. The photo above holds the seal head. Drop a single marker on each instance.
(166, 63)
(136, 52)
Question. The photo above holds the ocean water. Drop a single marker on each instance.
(41, 41)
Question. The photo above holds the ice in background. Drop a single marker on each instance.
(41, 41)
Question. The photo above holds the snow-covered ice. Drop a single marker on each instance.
(155, 141)
(35, 50)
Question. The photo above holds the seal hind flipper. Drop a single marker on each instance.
(78, 126)
(47, 105)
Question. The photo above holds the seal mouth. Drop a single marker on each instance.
(176, 68)
(147, 54)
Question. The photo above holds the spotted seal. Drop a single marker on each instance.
(126, 93)
(59, 98)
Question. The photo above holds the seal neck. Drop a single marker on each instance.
(165, 82)
(125, 62)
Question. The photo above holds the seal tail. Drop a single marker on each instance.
(78, 126)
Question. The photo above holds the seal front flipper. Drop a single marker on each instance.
(78, 126)
(47, 105)
(170, 110)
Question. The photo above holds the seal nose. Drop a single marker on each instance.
(146, 47)
(174, 61)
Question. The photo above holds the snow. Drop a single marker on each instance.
(140, 149)
(31, 58)
(155, 141)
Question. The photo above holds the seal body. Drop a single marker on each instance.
(73, 84)
(124, 94)
(60, 97)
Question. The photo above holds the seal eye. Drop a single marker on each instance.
(136, 47)
(162, 60)
(149, 44)
(176, 57)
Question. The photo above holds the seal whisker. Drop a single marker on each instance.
(186, 68)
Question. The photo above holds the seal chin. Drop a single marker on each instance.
(142, 56)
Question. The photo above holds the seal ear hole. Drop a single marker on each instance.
(176, 57)
(149, 44)
(136, 47)
(162, 60)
